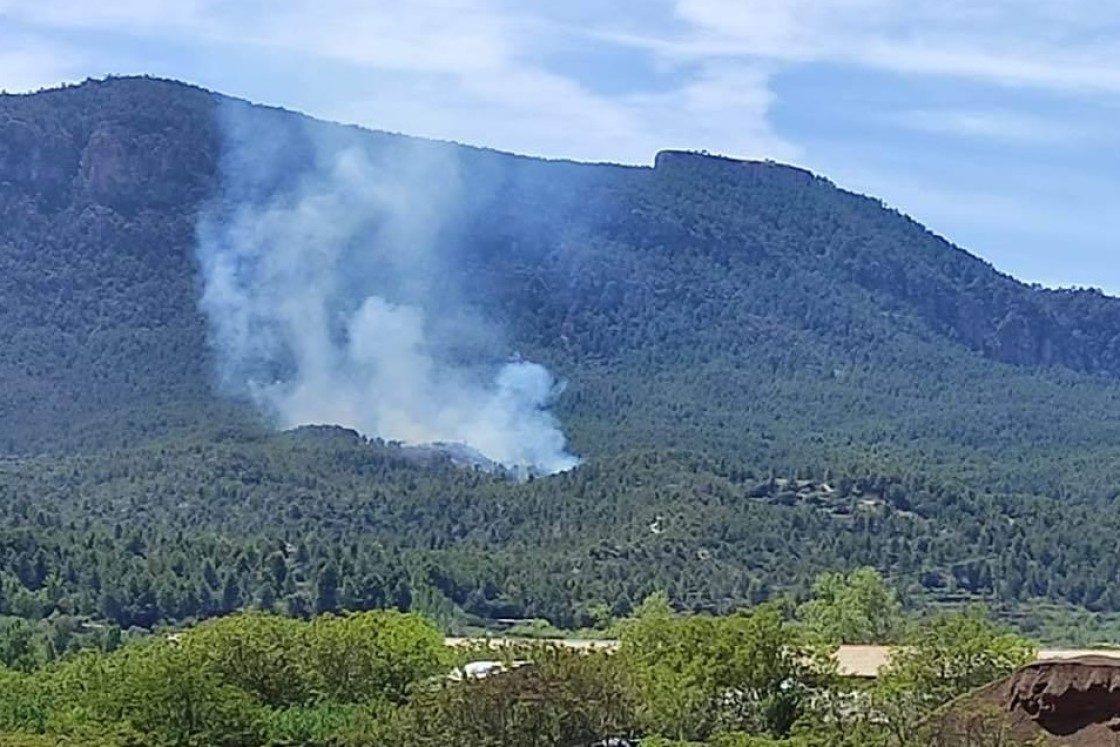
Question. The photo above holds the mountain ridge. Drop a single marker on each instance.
(688, 208)
(732, 334)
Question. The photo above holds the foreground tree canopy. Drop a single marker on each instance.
(756, 677)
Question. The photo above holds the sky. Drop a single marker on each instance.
(994, 122)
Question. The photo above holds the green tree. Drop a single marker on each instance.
(20, 648)
(563, 697)
(371, 656)
(162, 690)
(698, 675)
(262, 654)
(945, 657)
(859, 607)
(326, 589)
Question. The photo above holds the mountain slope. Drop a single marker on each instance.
(99, 190)
(137, 538)
(716, 322)
(746, 308)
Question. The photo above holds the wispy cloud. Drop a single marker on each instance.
(994, 124)
(436, 60)
(1056, 44)
(432, 36)
(534, 111)
(464, 70)
(114, 14)
(1090, 70)
(467, 70)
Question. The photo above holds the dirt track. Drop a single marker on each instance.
(853, 661)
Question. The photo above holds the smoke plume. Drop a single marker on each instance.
(329, 272)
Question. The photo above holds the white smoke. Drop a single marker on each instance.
(332, 301)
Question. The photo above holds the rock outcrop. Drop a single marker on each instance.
(1066, 702)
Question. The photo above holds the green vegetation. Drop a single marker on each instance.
(769, 378)
(683, 667)
(857, 608)
(319, 520)
(755, 677)
(239, 681)
(947, 656)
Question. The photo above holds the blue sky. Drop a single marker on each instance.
(992, 121)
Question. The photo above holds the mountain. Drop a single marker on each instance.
(749, 352)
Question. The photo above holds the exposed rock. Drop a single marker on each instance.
(1067, 702)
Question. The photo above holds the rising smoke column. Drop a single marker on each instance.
(331, 300)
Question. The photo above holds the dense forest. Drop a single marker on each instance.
(766, 377)
(322, 520)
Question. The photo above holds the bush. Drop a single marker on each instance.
(695, 676)
(563, 698)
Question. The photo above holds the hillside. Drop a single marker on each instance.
(320, 518)
(717, 323)
(704, 303)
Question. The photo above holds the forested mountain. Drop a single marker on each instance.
(766, 376)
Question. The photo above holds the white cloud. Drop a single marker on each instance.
(533, 111)
(1056, 44)
(127, 14)
(443, 36)
(469, 69)
(726, 105)
(1089, 70)
(794, 30)
(994, 124)
(463, 70)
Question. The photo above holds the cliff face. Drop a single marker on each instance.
(99, 190)
(909, 269)
(125, 144)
